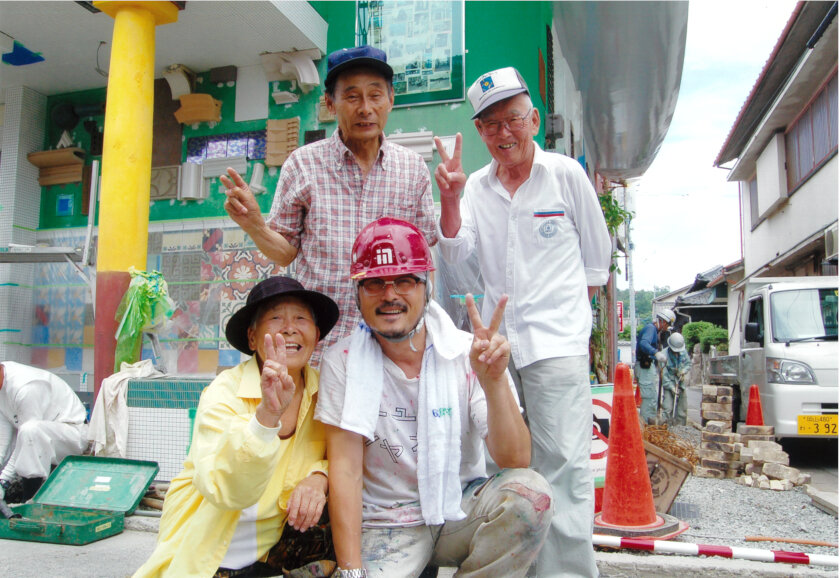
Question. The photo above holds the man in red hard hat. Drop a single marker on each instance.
(409, 402)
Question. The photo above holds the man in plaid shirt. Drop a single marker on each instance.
(329, 190)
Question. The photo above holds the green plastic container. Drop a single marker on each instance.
(85, 499)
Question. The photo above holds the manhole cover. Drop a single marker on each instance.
(684, 511)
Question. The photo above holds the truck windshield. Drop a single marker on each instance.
(804, 314)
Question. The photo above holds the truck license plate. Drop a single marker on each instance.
(817, 425)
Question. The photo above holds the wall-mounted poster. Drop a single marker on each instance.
(424, 41)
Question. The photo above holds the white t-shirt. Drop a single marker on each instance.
(390, 497)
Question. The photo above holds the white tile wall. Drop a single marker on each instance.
(24, 119)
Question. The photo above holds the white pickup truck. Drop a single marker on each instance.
(788, 347)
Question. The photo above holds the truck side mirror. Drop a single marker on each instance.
(752, 334)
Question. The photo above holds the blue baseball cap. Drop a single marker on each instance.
(368, 56)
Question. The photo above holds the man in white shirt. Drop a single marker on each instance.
(409, 402)
(537, 226)
(42, 421)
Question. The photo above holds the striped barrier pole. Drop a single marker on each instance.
(666, 547)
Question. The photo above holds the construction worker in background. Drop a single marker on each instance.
(330, 189)
(674, 380)
(42, 421)
(534, 220)
(410, 402)
(646, 369)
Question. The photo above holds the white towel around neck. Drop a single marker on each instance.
(439, 415)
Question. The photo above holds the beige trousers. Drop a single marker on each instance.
(508, 517)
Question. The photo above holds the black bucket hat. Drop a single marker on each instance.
(324, 308)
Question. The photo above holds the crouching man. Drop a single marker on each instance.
(409, 400)
(42, 422)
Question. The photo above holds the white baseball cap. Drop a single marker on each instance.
(494, 86)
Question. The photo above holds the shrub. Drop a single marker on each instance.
(692, 332)
(714, 336)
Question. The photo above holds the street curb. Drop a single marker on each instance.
(825, 501)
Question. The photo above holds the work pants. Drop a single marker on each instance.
(668, 393)
(41, 444)
(649, 385)
(508, 516)
(557, 398)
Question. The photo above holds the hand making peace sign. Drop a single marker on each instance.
(241, 204)
(490, 351)
(278, 387)
(449, 174)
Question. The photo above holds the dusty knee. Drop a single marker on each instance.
(530, 494)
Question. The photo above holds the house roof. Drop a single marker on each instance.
(806, 19)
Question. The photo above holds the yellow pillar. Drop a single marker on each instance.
(126, 163)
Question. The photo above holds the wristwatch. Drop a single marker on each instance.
(354, 573)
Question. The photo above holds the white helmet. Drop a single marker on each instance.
(667, 315)
(676, 343)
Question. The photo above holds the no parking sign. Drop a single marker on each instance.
(601, 413)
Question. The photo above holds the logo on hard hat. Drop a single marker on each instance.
(384, 255)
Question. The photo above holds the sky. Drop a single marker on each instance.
(687, 219)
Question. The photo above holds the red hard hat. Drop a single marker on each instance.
(387, 247)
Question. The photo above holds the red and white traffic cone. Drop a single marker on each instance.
(628, 508)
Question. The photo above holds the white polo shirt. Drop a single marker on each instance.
(542, 247)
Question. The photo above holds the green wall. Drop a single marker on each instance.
(497, 34)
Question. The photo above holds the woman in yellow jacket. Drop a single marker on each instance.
(257, 459)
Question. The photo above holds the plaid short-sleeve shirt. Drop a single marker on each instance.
(323, 200)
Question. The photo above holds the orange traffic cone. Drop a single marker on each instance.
(638, 395)
(754, 414)
(628, 508)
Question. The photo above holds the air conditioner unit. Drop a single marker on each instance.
(831, 242)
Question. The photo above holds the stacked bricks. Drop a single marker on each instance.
(716, 404)
(720, 450)
(766, 465)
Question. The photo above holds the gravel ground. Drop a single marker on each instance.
(723, 512)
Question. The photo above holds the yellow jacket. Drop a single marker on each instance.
(230, 468)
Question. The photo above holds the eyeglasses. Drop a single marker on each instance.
(513, 124)
(402, 286)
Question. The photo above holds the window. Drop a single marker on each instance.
(756, 315)
(804, 315)
(812, 138)
(752, 188)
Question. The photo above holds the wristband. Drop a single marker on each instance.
(354, 573)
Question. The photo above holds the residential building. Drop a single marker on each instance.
(782, 150)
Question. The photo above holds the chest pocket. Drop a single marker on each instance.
(548, 226)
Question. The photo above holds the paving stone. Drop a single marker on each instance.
(780, 472)
(703, 472)
(756, 429)
(718, 426)
(729, 438)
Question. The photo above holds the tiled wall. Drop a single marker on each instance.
(20, 199)
(209, 266)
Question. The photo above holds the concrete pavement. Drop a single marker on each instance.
(119, 556)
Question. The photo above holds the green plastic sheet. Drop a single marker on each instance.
(144, 307)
